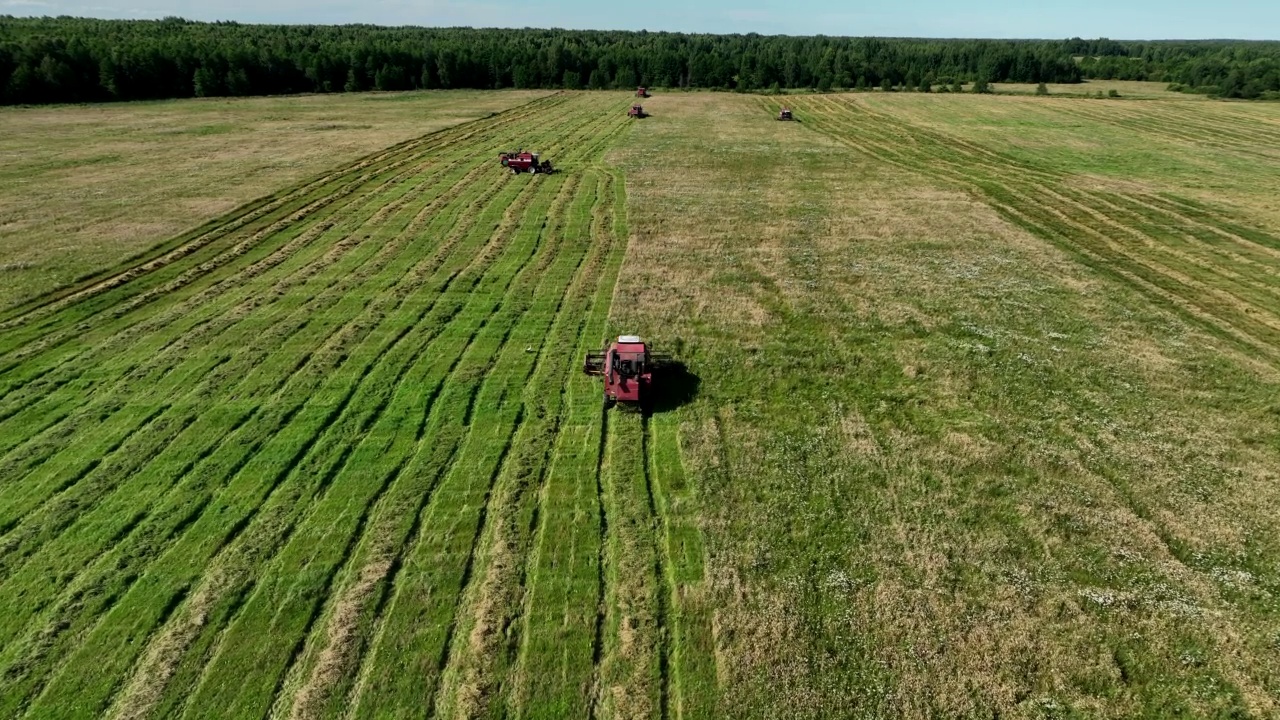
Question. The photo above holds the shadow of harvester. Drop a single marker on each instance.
(673, 387)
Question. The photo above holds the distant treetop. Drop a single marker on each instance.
(51, 60)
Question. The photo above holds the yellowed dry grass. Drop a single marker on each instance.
(1036, 516)
(86, 186)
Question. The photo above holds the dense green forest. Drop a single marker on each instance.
(49, 60)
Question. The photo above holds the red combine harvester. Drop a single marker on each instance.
(636, 112)
(628, 369)
(784, 113)
(642, 92)
(521, 161)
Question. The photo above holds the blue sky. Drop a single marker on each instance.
(1121, 19)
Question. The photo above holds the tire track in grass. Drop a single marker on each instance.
(661, 563)
(401, 300)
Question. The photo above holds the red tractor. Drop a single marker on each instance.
(642, 92)
(636, 112)
(521, 161)
(628, 369)
(784, 113)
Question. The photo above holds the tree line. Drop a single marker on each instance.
(53, 60)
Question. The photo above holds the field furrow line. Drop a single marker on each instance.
(451, 327)
(246, 361)
(323, 203)
(354, 302)
(964, 173)
(256, 320)
(187, 245)
(478, 669)
(173, 656)
(300, 326)
(376, 682)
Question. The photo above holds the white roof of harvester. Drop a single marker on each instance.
(629, 339)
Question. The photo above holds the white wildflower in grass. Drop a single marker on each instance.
(1180, 608)
(1101, 598)
(1236, 579)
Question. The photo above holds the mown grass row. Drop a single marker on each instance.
(192, 315)
(557, 648)
(452, 325)
(185, 251)
(1210, 276)
(179, 341)
(1186, 259)
(207, 505)
(440, 561)
(1201, 126)
(480, 661)
(187, 378)
(355, 273)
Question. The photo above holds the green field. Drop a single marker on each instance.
(981, 417)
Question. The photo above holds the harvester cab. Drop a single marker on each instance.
(642, 92)
(636, 112)
(628, 369)
(784, 113)
(522, 162)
